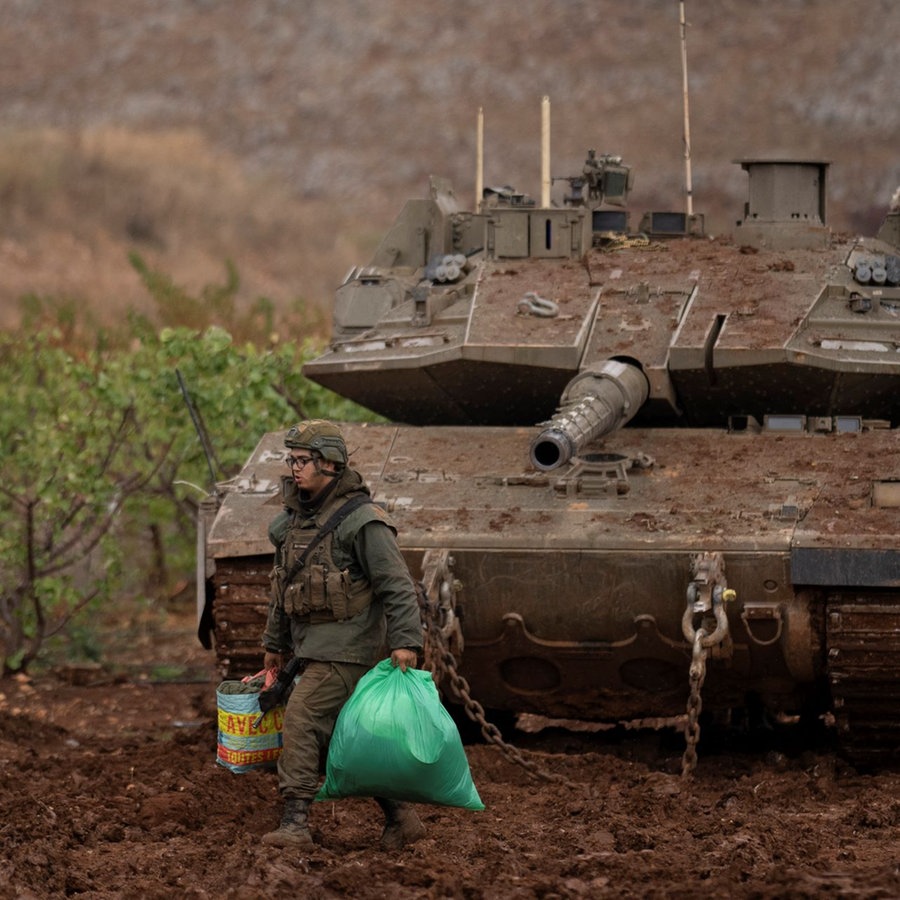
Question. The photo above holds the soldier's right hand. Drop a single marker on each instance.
(273, 660)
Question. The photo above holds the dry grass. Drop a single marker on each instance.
(78, 203)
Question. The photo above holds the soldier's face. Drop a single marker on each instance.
(307, 476)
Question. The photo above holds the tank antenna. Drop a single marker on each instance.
(545, 152)
(688, 190)
(479, 159)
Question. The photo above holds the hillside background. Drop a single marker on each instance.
(284, 135)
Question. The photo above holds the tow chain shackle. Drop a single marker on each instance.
(450, 627)
(706, 593)
(721, 596)
(440, 589)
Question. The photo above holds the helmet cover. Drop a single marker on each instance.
(319, 435)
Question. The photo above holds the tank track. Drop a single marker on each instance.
(863, 634)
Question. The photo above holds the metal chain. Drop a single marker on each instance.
(442, 664)
(694, 704)
(707, 595)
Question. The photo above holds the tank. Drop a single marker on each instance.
(637, 468)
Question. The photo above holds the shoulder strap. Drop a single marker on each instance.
(330, 524)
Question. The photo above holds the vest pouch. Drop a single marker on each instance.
(293, 599)
(315, 593)
(276, 584)
(355, 597)
(337, 585)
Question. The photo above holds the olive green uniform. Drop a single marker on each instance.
(358, 563)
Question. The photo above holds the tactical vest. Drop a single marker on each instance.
(320, 591)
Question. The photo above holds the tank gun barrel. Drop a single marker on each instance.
(594, 403)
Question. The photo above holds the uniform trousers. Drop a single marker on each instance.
(309, 717)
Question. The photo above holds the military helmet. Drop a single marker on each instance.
(319, 435)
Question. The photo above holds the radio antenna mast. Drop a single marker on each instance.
(479, 159)
(688, 189)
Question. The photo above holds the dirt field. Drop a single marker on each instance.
(112, 790)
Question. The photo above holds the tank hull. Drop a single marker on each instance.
(572, 586)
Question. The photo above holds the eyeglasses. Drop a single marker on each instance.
(299, 462)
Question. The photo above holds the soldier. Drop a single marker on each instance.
(337, 609)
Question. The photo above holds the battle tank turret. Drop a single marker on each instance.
(625, 453)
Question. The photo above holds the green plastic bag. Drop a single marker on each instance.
(393, 738)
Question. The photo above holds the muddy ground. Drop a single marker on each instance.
(112, 790)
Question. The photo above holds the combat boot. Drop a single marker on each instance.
(294, 828)
(401, 824)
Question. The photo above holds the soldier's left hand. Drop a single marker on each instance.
(403, 658)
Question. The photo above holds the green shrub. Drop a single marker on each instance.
(102, 468)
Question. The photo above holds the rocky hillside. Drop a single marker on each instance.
(284, 136)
